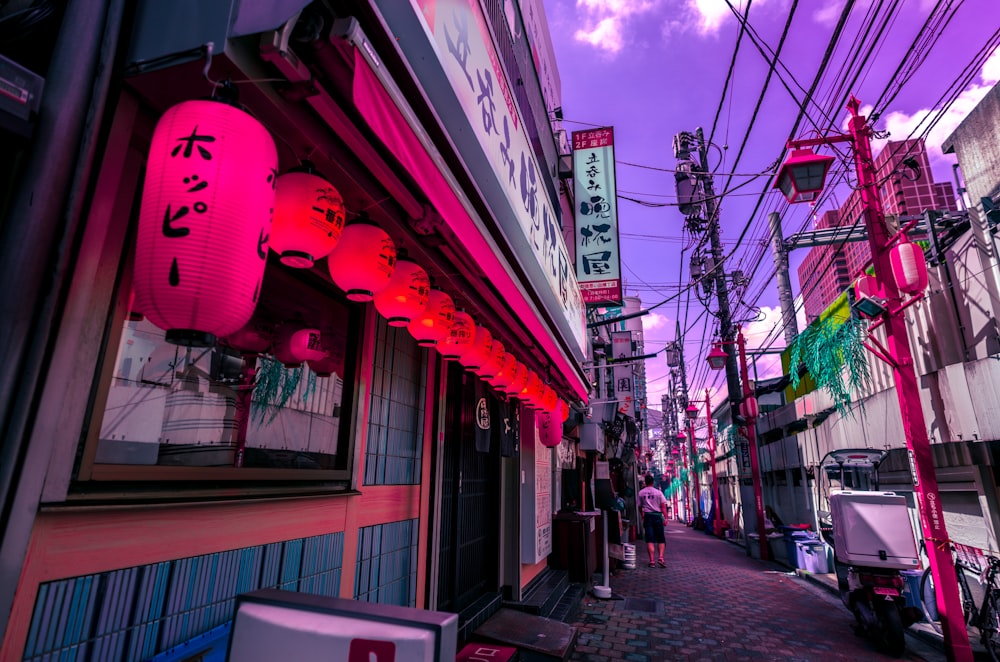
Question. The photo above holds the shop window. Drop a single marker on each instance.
(396, 418)
(170, 412)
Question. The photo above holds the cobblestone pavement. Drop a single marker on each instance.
(712, 602)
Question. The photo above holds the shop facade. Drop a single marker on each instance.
(325, 445)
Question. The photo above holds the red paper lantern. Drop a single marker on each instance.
(518, 381)
(505, 375)
(254, 338)
(204, 221)
(749, 407)
(330, 363)
(549, 431)
(531, 394)
(308, 217)
(480, 351)
(909, 268)
(460, 338)
(549, 399)
(363, 261)
(494, 362)
(405, 296)
(563, 411)
(434, 324)
(296, 344)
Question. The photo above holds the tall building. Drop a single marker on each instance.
(907, 188)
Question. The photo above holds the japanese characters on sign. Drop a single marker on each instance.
(465, 48)
(598, 268)
(621, 348)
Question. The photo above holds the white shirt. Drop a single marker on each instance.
(651, 500)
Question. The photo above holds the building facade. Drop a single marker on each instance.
(323, 447)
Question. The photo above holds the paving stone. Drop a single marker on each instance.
(716, 603)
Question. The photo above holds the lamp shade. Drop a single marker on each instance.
(803, 175)
(329, 364)
(549, 399)
(494, 362)
(531, 394)
(505, 375)
(749, 408)
(405, 296)
(295, 344)
(909, 268)
(255, 337)
(204, 221)
(518, 380)
(691, 411)
(549, 430)
(562, 410)
(363, 260)
(308, 217)
(717, 357)
(434, 324)
(460, 338)
(480, 351)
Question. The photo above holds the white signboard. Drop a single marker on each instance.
(536, 496)
(466, 51)
(621, 348)
(598, 266)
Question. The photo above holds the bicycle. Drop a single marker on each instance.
(985, 617)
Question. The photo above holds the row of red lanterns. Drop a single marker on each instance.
(213, 205)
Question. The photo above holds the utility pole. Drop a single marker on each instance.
(785, 299)
(683, 150)
(721, 286)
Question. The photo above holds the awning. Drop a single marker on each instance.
(380, 110)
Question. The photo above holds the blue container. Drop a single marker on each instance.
(792, 538)
(911, 590)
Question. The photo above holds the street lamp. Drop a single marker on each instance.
(717, 357)
(749, 412)
(803, 175)
(897, 353)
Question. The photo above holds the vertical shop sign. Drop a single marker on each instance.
(598, 267)
(536, 495)
(621, 348)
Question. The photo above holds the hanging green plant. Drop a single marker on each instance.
(274, 387)
(825, 347)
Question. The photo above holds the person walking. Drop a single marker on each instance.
(654, 512)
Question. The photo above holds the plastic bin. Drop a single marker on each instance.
(811, 556)
(911, 590)
(792, 538)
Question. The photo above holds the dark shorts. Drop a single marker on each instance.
(652, 523)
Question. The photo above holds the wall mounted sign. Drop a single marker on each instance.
(598, 265)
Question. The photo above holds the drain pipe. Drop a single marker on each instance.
(37, 250)
(604, 590)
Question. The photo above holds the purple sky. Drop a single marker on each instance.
(653, 68)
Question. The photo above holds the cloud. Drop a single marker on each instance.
(652, 321)
(764, 333)
(605, 21)
(900, 125)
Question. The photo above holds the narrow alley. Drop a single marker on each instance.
(712, 602)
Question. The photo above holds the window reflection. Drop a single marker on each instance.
(234, 405)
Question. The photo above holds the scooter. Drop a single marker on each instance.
(873, 541)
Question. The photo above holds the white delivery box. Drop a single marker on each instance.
(872, 529)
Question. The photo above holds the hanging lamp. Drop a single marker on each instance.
(405, 296)
(909, 267)
(480, 351)
(295, 344)
(493, 362)
(205, 220)
(518, 380)
(308, 217)
(363, 261)
(505, 375)
(433, 325)
(460, 338)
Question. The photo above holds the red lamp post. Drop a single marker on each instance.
(717, 361)
(899, 356)
(680, 442)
